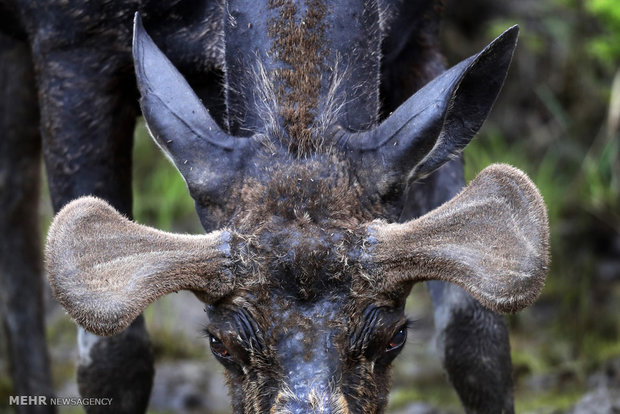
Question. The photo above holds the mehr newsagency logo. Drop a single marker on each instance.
(58, 401)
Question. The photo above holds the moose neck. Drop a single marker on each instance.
(299, 67)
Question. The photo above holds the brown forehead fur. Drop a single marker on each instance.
(299, 42)
(300, 225)
(321, 190)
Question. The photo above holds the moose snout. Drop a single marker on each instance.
(310, 376)
(316, 398)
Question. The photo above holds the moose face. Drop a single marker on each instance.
(307, 333)
(330, 354)
(304, 280)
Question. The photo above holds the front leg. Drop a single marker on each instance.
(473, 341)
(88, 112)
(475, 350)
(21, 284)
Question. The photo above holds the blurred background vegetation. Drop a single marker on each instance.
(558, 119)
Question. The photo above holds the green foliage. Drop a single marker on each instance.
(528, 362)
(543, 361)
(599, 186)
(598, 350)
(606, 46)
(491, 147)
(546, 401)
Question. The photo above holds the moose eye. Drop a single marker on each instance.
(218, 348)
(397, 340)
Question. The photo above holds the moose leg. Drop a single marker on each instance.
(21, 285)
(473, 340)
(476, 350)
(88, 117)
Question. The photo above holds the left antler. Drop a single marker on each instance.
(492, 239)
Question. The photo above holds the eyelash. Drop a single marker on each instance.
(215, 342)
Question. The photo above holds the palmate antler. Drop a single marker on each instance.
(491, 239)
(105, 270)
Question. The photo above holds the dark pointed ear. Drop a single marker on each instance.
(436, 123)
(206, 156)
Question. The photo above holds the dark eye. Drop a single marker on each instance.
(218, 348)
(397, 340)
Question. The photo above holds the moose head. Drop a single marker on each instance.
(303, 274)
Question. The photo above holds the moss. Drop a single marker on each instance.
(597, 350)
(526, 362)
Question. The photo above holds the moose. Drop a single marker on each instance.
(315, 178)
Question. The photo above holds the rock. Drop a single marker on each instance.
(602, 400)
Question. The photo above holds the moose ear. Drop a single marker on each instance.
(492, 239)
(104, 269)
(437, 122)
(180, 124)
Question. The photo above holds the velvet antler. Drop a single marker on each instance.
(491, 239)
(105, 269)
